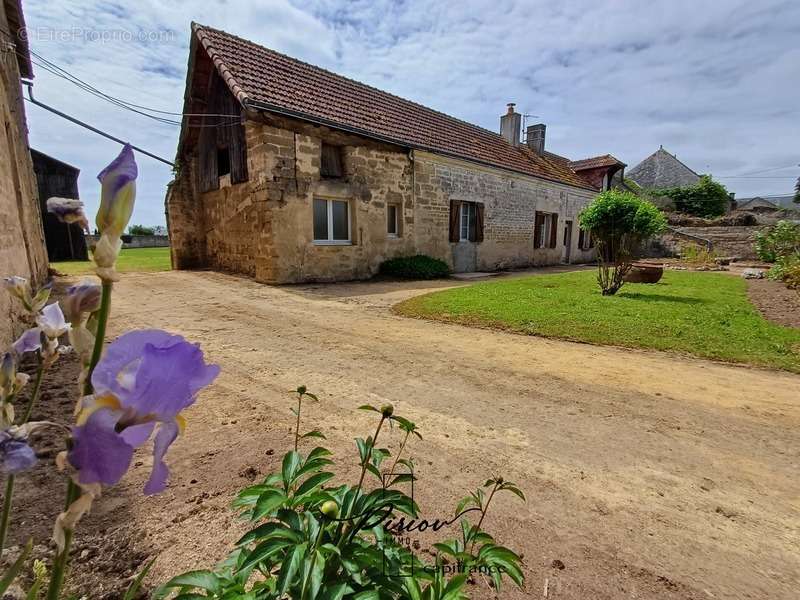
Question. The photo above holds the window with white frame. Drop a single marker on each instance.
(393, 220)
(331, 221)
(467, 222)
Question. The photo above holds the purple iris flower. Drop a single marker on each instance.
(29, 341)
(143, 382)
(15, 453)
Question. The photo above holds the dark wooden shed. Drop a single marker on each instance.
(57, 178)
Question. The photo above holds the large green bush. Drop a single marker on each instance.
(620, 222)
(707, 198)
(415, 267)
(780, 244)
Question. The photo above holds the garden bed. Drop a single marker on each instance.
(775, 301)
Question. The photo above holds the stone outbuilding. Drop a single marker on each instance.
(287, 173)
(22, 249)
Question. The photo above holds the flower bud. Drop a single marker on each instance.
(8, 371)
(118, 183)
(330, 509)
(81, 300)
(18, 286)
(387, 410)
(68, 210)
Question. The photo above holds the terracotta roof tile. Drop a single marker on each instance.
(266, 79)
(594, 162)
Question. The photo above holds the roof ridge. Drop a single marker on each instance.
(256, 74)
(350, 79)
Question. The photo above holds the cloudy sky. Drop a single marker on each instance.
(716, 82)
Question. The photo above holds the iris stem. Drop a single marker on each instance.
(73, 491)
(9, 494)
(99, 336)
(37, 386)
(62, 560)
(6, 510)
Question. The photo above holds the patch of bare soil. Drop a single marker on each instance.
(648, 476)
(775, 301)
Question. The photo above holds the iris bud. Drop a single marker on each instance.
(81, 300)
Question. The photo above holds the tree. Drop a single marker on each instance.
(620, 222)
(707, 198)
(140, 230)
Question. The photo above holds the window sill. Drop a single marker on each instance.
(392, 236)
(332, 243)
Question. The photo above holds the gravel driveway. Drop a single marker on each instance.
(648, 475)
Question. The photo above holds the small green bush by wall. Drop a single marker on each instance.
(415, 267)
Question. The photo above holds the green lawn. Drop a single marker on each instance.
(705, 314)
(131, 260)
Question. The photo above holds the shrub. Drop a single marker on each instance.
(620, 222)
(707, 198)
(697, 255)
(780, 244)
(141, 230)
(415, 267)
(782, 239)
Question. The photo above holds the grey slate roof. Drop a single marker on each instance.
(777, 201)
(662, 170)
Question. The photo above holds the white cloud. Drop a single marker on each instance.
(716, 83)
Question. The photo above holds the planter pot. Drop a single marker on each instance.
(644, 273)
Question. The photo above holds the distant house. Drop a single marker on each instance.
(758, 204)
(662, 170)
(780, 202)
(316, 177)
(57, 178)
(600, 171)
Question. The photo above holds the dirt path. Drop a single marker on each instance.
(647, 475)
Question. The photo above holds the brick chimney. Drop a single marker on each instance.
(535, 137)
(511, 125)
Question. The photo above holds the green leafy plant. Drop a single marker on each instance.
(620, 222)
(707, 198)
(780, 240)
(419, 266)
(309, 540)
(780, 244)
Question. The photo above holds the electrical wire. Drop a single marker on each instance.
(51, 67)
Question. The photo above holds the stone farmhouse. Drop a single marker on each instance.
(287, 173)
(22, 249)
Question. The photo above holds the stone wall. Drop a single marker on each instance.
(136, 241)
(510, 203)
(263, 227)
(725, 241)
(22, 248)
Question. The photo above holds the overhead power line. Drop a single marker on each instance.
(33, 100)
